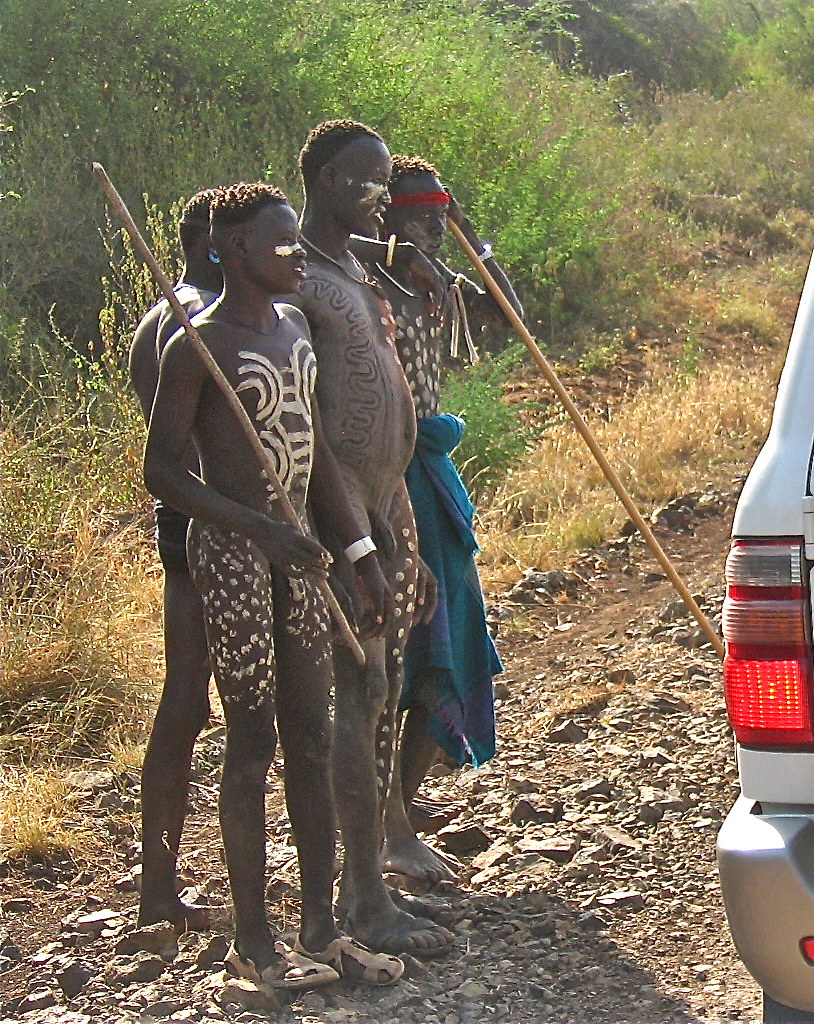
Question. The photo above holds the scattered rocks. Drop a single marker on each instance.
(587, 892)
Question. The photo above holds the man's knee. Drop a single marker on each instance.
(183, 711)
(307, 743)
(250, 749)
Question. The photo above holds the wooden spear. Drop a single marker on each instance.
(590, 439)
(234, 402)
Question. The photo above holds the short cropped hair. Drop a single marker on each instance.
(325, 141)
(238, 203)
(195, 217)
(406, 167)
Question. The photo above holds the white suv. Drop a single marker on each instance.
(766, 845)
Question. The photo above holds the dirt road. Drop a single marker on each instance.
(588, 892)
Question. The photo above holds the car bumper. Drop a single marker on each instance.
(766, 863)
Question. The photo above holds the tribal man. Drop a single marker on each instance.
(369, 423)
(449, 661)
(184, 707)
(267, 624)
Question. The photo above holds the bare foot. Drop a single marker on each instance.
(429, 907)
(408, 855)
(394, 931)
(187, 917)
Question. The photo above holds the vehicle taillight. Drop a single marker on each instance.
(768, 670)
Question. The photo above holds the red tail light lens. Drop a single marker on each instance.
(768, 671)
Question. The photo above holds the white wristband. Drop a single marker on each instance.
(486, 253)
(359, 548)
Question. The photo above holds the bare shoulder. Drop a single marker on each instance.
(291, 313)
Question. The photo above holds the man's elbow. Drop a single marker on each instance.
(156, 475)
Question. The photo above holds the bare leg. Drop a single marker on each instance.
(418, 752)
(236, 591)
(182, 713)
(363, 747)
(404, 853)
(304, 679)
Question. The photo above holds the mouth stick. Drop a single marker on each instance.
(234, 402)
(590, 439)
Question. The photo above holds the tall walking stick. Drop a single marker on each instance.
(590, 439)
(234, 402)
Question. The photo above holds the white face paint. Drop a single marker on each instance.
(289, 250)
(374, 191)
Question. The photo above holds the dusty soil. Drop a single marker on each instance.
(588, 889)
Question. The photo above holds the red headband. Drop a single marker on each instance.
(420, 199)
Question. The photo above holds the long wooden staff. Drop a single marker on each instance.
(229, 394)
(590, 439)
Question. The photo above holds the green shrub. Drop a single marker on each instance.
(495, 438)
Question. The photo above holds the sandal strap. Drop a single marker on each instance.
(376, 968)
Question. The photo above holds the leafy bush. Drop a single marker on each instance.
(495, 438)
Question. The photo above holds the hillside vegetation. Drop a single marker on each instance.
(645, 168)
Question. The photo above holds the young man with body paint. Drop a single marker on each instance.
(447, 697)
(267, 625)
(184, 707)
(369, 422)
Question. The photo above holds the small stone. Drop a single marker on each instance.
(313, 1001)
(140, 969)
(251, 997)
(597, 787)
(164, 1008)
(154, 938)
(473, 990)
(126, 883)
(94, 923)
(620, 839)
(625, 676)
(38, 999)
(536, 810)
(463, 838)
(17, 906)
(413, 968)
(558, 850)
(567, 732)
(627, 898)
(675, 611)
(214, 952)
(496, 854)
(72, 978)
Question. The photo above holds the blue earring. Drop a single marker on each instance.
(213, 256)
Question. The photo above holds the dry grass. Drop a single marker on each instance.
(673, 435)
(32, 814)
(80, 600)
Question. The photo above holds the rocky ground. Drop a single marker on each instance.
(588, 892)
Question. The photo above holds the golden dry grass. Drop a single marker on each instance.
(79, 610)
(673, 435)
(32, 814)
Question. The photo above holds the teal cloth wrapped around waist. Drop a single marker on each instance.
(450, 662)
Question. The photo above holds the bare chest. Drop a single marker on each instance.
(364, 399)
